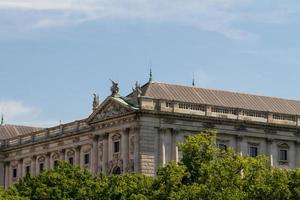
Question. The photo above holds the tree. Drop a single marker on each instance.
(206, 172)
(64, 182)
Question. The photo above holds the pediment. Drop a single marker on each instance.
(110, 108)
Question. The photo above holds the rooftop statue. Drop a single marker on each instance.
(96, 101)
(138, 89)
(114, 88)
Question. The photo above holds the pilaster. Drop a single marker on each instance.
(125, 148)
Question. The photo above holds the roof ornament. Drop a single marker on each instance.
(114, 88)
(96, 101)
(2, 120)
(138, 89)
(193, 83)
(150, 75)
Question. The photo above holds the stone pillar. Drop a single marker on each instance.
(20, 168)
(175, 134)
(78, 156)
(105, 153)
(270, 150)
(297, 154)
(162, 152)
(100, 155)
(136, 149)
(48, 160)
(33, 168)
(94, 155)
(239, 144)
(62, 154)
(6, 178)
(125, 149)
(2, 170)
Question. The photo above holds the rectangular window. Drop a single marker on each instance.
(27, 170)
(253, 151)
(71, 160)
(15, 173)
(116, 147)
(283, 155)
(86, 159)
(41, 167)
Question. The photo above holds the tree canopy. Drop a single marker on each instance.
(205, 172)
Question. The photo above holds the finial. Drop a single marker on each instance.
(2, 120)
(193, 80)
(150, 75)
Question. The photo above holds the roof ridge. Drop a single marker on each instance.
(228, 91)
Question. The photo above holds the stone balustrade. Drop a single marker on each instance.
(45, 134)
(220, 112)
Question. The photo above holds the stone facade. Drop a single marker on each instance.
(140, 133)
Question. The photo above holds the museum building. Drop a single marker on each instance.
(140, 132)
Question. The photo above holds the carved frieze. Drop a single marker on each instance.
(110, 111)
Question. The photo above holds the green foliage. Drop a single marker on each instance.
(206, 173)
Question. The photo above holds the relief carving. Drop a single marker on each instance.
(70, 153)
(55, 156)
(41, 159)
(110, 111)
(116, 137)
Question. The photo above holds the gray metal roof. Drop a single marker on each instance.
(9, 131)
(221, 98)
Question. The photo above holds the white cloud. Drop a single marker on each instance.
(13, 109)
(17, 112)
(211, 15)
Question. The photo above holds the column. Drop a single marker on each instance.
(20, 168)
(48, 161)
(105, 153)
(94, 156)
(297, 154)
(162, 152)
(125, 148)
(175, 157)
(78, 156)
(270, 150)
(239, 144)
(136, 149)
(62, 155)
(33, 166)
(2, 170)
(6, 178)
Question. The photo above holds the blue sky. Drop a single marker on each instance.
(55, 53)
